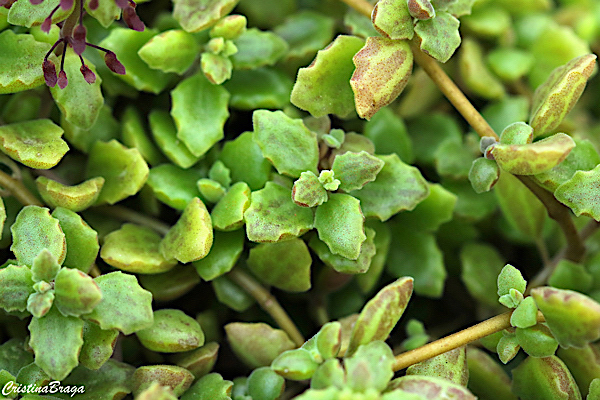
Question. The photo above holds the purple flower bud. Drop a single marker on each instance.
(132, 20)
(62, 79)
(78, 42)
(66, 4)
(46, 25)
(93, 4)
(88, 74)
(49, 73)
(122, 3)
(113, 64)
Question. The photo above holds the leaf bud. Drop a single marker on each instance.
(62, 79)
(93, 4)
(421, 9)
(46, 25)
(88, 74)
(66, 4)
(49, 73)
(78, 42)
(486, 142)
(110, 58)
(132, 20)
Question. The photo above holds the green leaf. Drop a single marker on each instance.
(134, 135)
(578, 193)
(380, 315)
(285, 265)
(98, 345)
(258, 49)
(481, 264)
(224, 253)
(428, 215)
(38, 304)
(76, 292)
(209, 387)
(105, 128)
(525, 315)
(536, 340)
(216, 67)
(164, 133)
(245, 160)
(439, 36)
(172, 331)
(323, 87)
(553, 100)
(382, 241)
(583, 364)
(172, 284)
(533, 158)
(176, 378)
(355, 170)
(424, 385)
(170, 51)
(44, 267)
(35, 230)
(476, 73)
(21, 62)
(56, 341)
(228, 213)
(16, 285)
(451, 365)
(174, 186)
(392, 19)
(370, 367)
(389, 135)
(340, 225)
(197, 15)
(75, 198)
(342, 264)
(486, 378)
(126, 43)
(383, 67)
(26, 14)
(200, 361)
(544, 378)
(510, 278)
(264, 383)
(124, 306)
(308, 191)
(257, 344)
(510, 64)
(507, 347)
(572, 276)
(134, 249)
(231, 294)
(289, 145)
(259, 88)
(191, 237)
(112, 380)
(197, 102)
(421, 9)
(273, 216)
(573, 318)
(124, 170)
(490, 21)
(398, 187)
(80, 102)
(483, 174)
(82, 241)
(36, 143)
(106, 13)
(297, 364)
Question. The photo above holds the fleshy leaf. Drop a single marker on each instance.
(379, 316)
(537, 340)
(430, 387)
(516, 133)
(16, 285)
(80, 102)
(259, 88)
(176, 378)
(134, 135)
(297, 364)
(388, 133)
(216, 67)
(525, 315)
(487, 379)
(191, 237)
(224, 253)
(510, 64)
(370, 367)
(553, 100)
(172, 284)
(289, 145)
(534, 158)
(164, 133)
(245, 160)
(573, 318)
(264, 383)
(228, 213)
(75, 198)
(432, 212)
(124, 306)
(451, 365)
(200, 110)
(383, 67)
(231, 295)
(25, 13)
(56, 341)
(134, 249)
(544, 378)
(392, 19)
(209, 387)
(174, 186)
(170, 51)
(508, 347)
(476, 73)
(21, 61)
(258, 49)
(172, 331)
(398, 187)
(273, 216)
(570, 275)
(308, 190)
(124, 170)
(197, 15)
(481, 264)
(35, 230)
(229, 27)
(439, 36)
(583, 364)
(38, 304)
(285, 265)
(355, 170)
(44, 267)
(200, 361)
(76, 292)
(37, 143)
(342, 264)
(98, 345)
(340, 225)
(483, 174)
(323, 87)
(579, 193)
(82, 240)
(510, 278)
(257, 344)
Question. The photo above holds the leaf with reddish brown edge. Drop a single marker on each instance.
(421, 9)
(430, 388)
(584, 364)
(20, 62)
(197, 15)
(439, 36)
(383, 67)
(392, 19)
(553, 100)
(573, 318)
(533, 158)
(380, 315)
(451, 365)
(257, 344)
(580, 193)
(544, 378)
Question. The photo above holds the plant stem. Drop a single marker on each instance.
(126, 214)
(458, 339)
(268, 302)
(18, 190)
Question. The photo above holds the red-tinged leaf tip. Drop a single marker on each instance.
(113, 64)
(122, 3)
(62, 79)
(49, 73)
(93, 4)
(46, 25)
(78, 42)
(88, 74)
(132, 20)
(66, 4)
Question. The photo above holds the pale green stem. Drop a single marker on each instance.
(18, 190)
(456, 340)
(268, 302)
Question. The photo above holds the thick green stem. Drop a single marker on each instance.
(18, 190)
(268, 302)
(456, 340)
